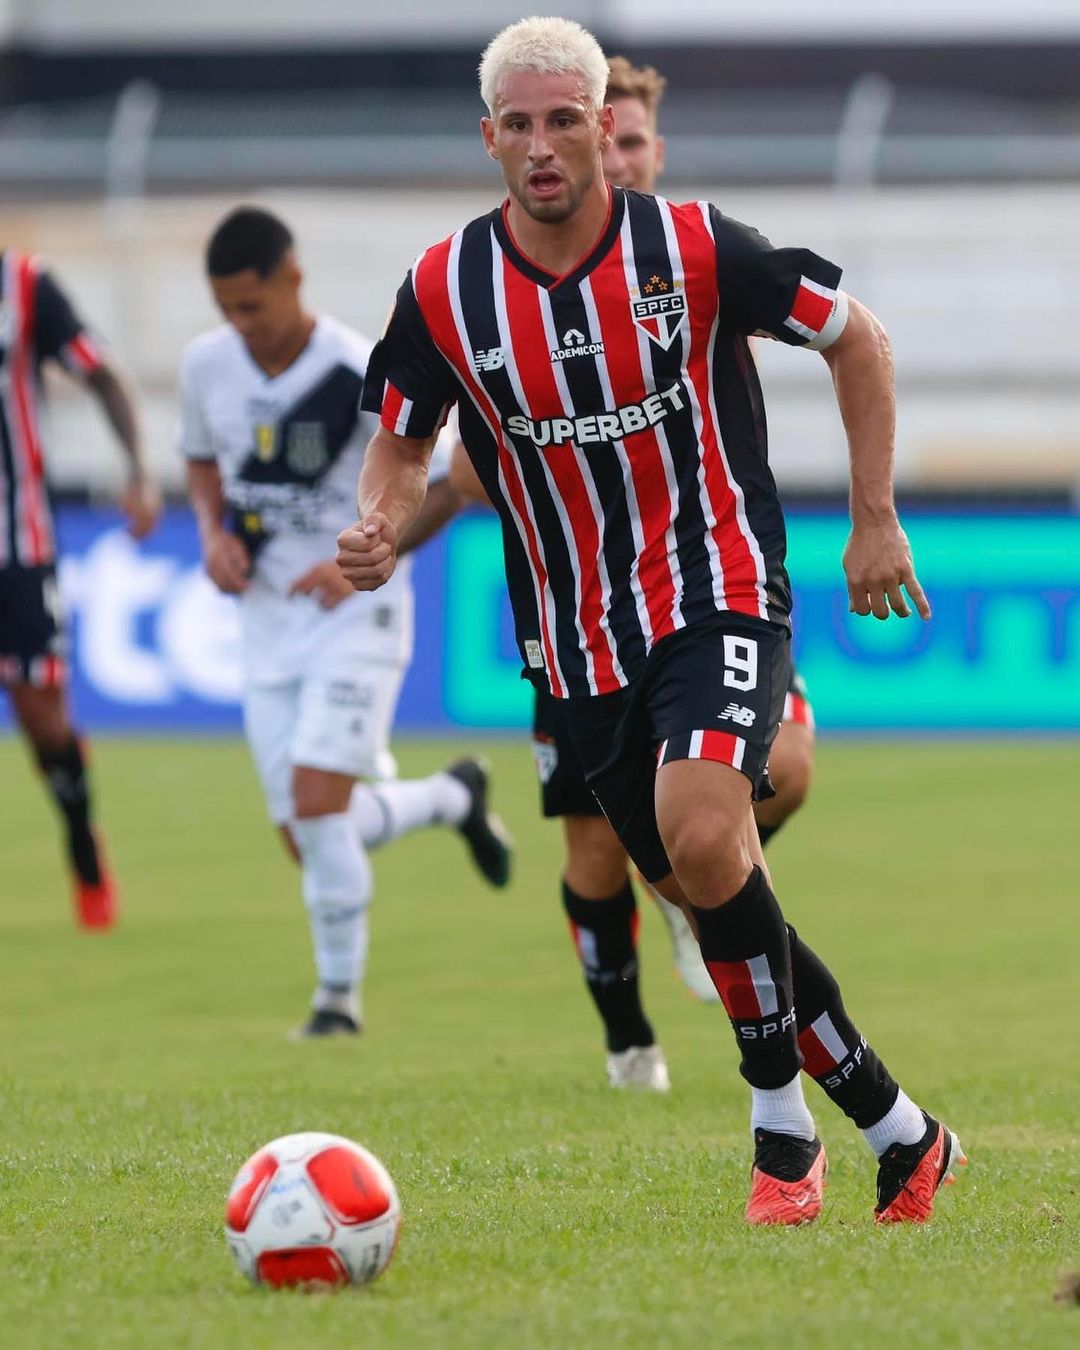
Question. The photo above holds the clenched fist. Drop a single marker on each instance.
(367, 552)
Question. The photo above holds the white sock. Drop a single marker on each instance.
(337, 893)
(337, 1000)
(782, 1110)
(903, 1123)
(384, 811)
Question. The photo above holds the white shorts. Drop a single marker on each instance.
(340, 724)
(321, 689)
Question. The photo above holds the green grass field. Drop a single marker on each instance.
(138, 1069)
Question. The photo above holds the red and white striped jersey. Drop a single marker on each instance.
(615, 418)
(37, 323)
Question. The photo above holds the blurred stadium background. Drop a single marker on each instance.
(932, 148)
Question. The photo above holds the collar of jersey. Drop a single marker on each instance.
(540, 275)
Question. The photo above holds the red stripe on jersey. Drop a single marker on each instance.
(33, 522)
(735, 985)
(83, 354)
(698, 250)
(721, 747)
(432, 286)
(620, 338)
(393, 400)
(816, 1059)
(812, 310)
(529, 345)
(47, 672)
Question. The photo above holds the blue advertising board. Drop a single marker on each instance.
(155, 647)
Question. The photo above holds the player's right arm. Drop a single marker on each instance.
(224, 556)
(393, 483)
(411, 387)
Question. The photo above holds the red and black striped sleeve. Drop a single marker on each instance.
(59, 333)
(790, 294)
(409, 383)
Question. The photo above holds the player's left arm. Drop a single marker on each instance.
(60, 334)
(877, 559)
(794, 296)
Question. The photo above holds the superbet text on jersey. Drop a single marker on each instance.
(615, 419)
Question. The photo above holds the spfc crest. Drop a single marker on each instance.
(658, 310)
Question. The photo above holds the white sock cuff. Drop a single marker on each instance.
(903, 1123)
(782, 1110)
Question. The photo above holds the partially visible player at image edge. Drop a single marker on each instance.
(274, 437)
(644, 547)
(37, 325)
(597, 893)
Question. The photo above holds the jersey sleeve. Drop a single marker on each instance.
(59, 333)
(194, 439)
(790, 294)
(409, 384)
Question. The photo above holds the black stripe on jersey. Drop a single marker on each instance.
(476, 291)
(652, 259)
(586, 393)
(309, 438)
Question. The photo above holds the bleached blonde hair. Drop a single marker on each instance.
(550, 46)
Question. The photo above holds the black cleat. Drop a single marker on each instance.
(485, 834)
(325, 1022)
(909, 1174)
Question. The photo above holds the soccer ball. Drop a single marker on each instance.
(312, 1209)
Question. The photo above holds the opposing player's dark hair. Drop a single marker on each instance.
(248, 239)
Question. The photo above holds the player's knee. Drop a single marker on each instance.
(336, 869)
(708, 855)
(595, 857)
(43, 718)
(316, 792)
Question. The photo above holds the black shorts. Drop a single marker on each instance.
(33, 646)
(712, 691)
(563, 789)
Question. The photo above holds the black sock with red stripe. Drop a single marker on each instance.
(65, 773)
(605, 936)
(744, 944)
(834, 1054)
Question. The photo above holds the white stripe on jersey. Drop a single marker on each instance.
(544, 600)
(502, 322)
(619, 448)
(402, 423)
(552, 339)
(733, 484)
(667, 459)
(711, 546)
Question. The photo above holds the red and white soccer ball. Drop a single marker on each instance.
(314, 1210)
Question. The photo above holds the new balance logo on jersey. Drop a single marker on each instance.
(575, 343)
(599, 428)
(734, 713)
(494, 358)
(659, 315)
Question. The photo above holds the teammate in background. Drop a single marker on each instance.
(596, 862)
(38, 324)
(274, 438)
(644, 547)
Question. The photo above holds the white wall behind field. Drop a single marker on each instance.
(134, 22)
(979, 290)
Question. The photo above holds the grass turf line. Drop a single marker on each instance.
(138, 1069)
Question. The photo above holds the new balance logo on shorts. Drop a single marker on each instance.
(734, 713)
